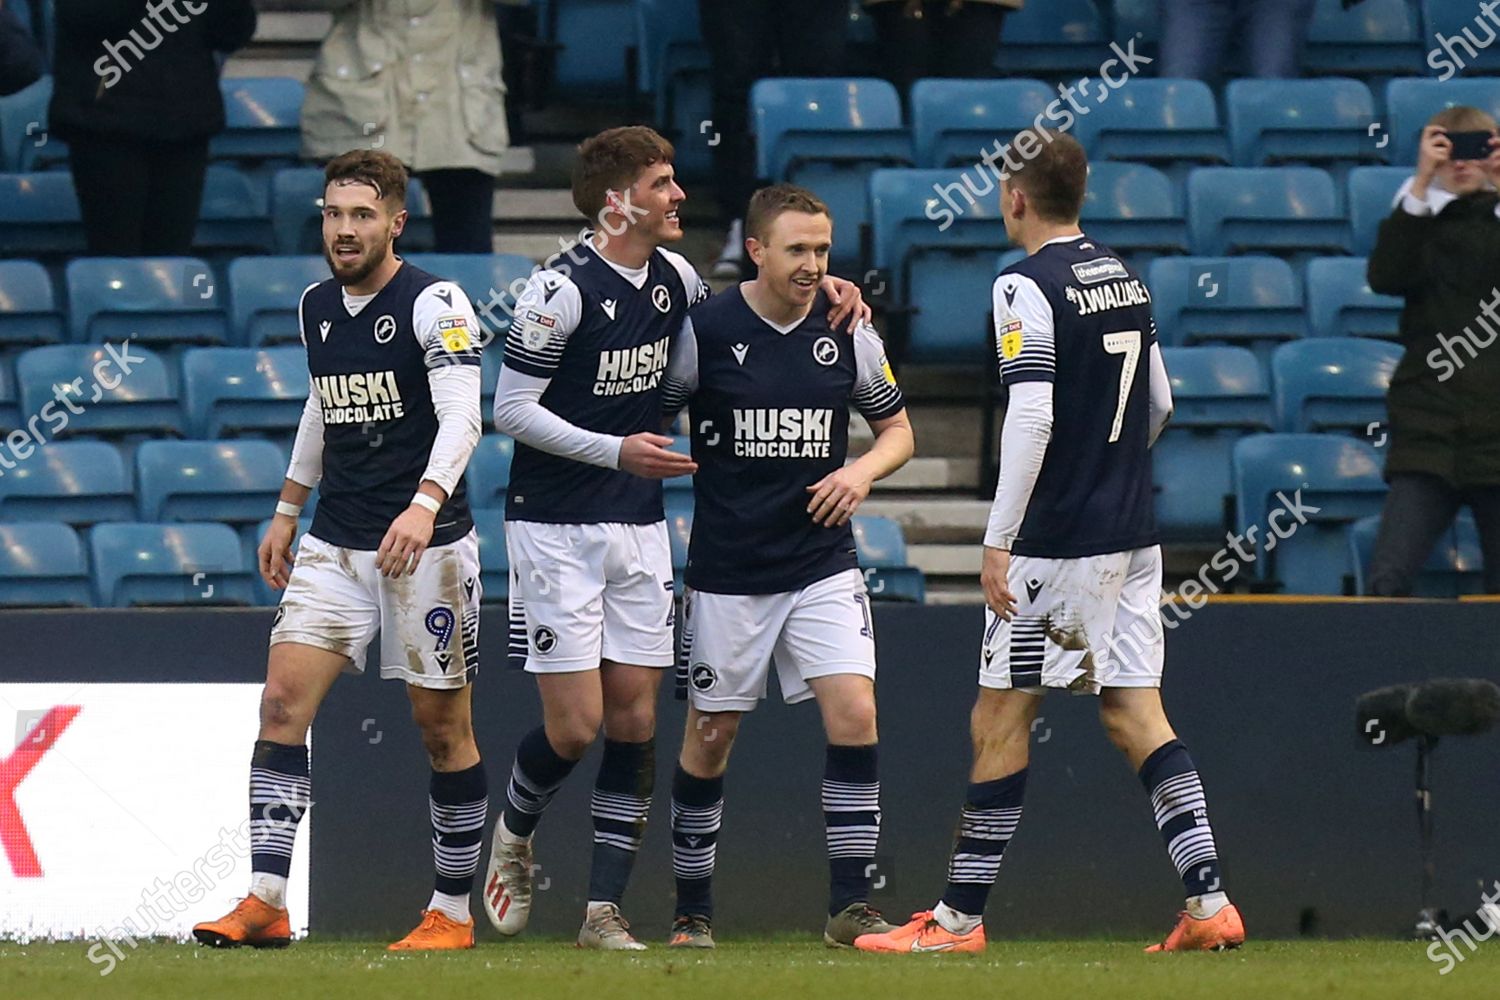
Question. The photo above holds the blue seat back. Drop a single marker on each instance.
(1279, 209)
(39, 215)
(233, 215)
(1217, 387)
(1332, 384)
(1060, 36)
(26, 144)
(1247, 300)
(1276, 121)
(1379, 37)
(28, 305)
(262, 119)
(148, 300)
(230, 390)
(1155, 121)
(74, 482)
(264, 293)
(1372, 191)
(1465, 39)
(953, 122)
(109, 398)
(231, 481)
(169, 564)
(42, 565)
(1341, 304)
(1130, 207)
(1338, 475)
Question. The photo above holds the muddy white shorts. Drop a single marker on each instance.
(428, 620)
(730, 640)
(580, 593)
(1081, 624)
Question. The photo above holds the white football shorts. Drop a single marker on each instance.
(428, 620)
(1081, 624)
(581, 593)
(730, 640)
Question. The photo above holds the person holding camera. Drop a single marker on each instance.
(1440, 251)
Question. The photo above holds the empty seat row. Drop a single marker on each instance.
(177, 300)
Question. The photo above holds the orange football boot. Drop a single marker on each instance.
(253, 921)
(923, 933)
(437, 932)
(1220, 932)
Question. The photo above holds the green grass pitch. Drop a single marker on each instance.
(782, 969)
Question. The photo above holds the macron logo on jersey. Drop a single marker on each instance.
(783, 433)
(631, 369)
(1115, 295)
(361, 397)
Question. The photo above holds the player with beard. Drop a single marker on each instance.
(386, 434)
(591, 569)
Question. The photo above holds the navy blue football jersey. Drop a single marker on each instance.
(1075, 315)
(370, 371)
(770, 417)
(601, 335)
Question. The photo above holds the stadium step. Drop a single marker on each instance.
(933, 520)
(933, 474)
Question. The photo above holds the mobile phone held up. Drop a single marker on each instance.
(1470, 145)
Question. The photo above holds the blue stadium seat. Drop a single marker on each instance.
(231, 390)
(674, 66)
(1372, 192)
(1218, 394)
(1162, 122)
(494, 561)
(296, 212)
(1332, 384)
(1338, 475)
(1341, 304)
(1300, 121)
(25, 143)
(262, 119)
(881, 549)
(230, 481)
(940, 274)
(1251, 301)
(493, 282)
(250, 536)
(953, 122)
(829, 135)
(169, 564)
(1455, 567)
(489, 377)
(42, 565)
(1378, 38)
(592, 36)
(28, 306)
(148, 300)
(1268, 209)
(10, 399)
(74, 482)
(1136, 20)
(264, 293)
(39, 215)
(1130, 207)
(233, 215)
(1465, 39)
(111, 400)
(1410, 102)
(1056, 37)
(489, 471)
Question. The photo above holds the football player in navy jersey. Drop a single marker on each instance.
(771, 564)
(1072, 570)
(389, 425)
(591, 569)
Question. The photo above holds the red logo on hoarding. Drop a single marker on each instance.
(13, 771)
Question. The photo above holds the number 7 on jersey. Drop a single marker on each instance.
(1127, 343)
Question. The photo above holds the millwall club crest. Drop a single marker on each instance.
(661, 299)
(825, 351)
(385, 329)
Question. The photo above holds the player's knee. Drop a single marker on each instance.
(279, 712)
(572, 733)
(853, 724)
(633, 723)
(1123, 727)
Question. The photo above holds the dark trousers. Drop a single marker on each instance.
(751, 39)
(960, 44)
(463, 203)
(138, 198)
(1418, 509)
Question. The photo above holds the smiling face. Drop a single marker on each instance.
(649, 206)
(359, 228)
(792, 255)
